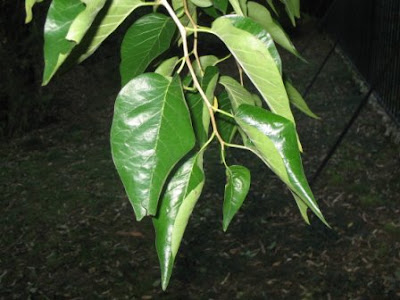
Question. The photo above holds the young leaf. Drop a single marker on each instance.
(262, 16)
(226, 126)
(297, 100)
(274, 139)
(28, 9)
(145, 40)
(182, 192)
(292, 8)
(237, 93)
(150, 133)
(84, 20)
(167, 66)
(272, 5)
(257, 62)
(236, 189)
(60, 16)
(117, 12)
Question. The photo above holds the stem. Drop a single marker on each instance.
(224, 113)
(196, 83)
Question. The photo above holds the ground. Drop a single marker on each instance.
(68, 231)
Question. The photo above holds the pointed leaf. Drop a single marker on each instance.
(302, 207)
(292, 8)
(221, 5)
(167, 66)
(182, 192)
(272, 5)
(237, 7)
(117, 12)
(274, 138)
(236, 189)
(237, 93)
(28, 9)
(257, 63)
(226, 126)
(297, 100)
(262, 16)
(151, 132)
(145, 40)
(84, 20)
(60, 16)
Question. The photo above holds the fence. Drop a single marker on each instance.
(369, 32)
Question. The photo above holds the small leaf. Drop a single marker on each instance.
(226, 126)
(205, 61)
(297, 100)
(257, 62)
(145, 40)
(176, 206)
(28, 9)
(84, 20)
(236, 189)
(237, 93)
(272, 5)
(167, 66)
(274, 139)
(292, 8)
(151, 132)
(60, 16)
(262, 16)
(117, 12)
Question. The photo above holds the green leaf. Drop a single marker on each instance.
(205, 61)
(257, 100)
(117, 12)
(292, 8)
(145, 40)
(302, 207)
(167, 66)
(84, 20)
(236, 189)
(274, 139)
(256, 61)
(263, 17)
(237, 7)
(237, 93)
(221, 5)
(60, 16)
(151, 132)
(28, 9)
(198, 109)
(226, 126)
(178, 7)
(182, 192)
(297, 100)
(272, 5)
(202, 3)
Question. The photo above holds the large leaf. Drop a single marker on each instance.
(117, 12)
(182, 192)
(167, 66)
(257, 62)
(145, 40)
(84, 20)
(28, 9)
(60, 16)
(237, 93)
(262, 16)
(236, 189)
(274, 139)
(151, 132)
(297, 100)
(226, 126)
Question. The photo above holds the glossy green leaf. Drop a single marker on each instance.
(236, 189)
(297, 100)
(292, 8)
(167, 66)
(60, 16)
(272, 5)
(28, 9)
(274, 139)
(257, 62)
(84, 20)
(202, 3)
(227, 127)
(237, 93)
(151, 132)
(302, 207)
(262, 16)
(145, 40)
(117, 12)
(182, 192)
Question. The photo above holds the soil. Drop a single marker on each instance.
(68, 231)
